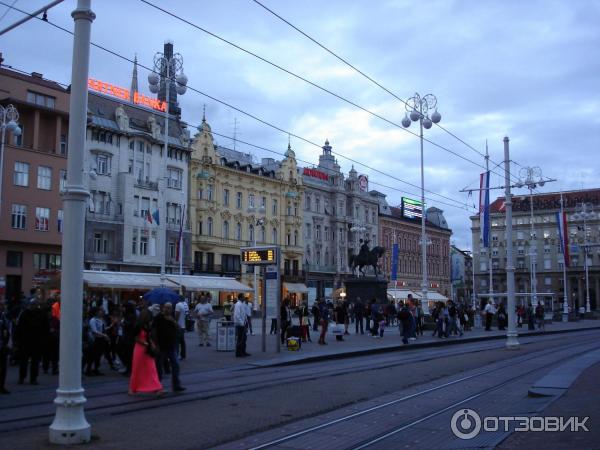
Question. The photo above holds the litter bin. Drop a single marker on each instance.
(225, 336)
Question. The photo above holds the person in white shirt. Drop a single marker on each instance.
(204, 312)
(249, 312)
(489, 315)
(240, 320)
(181, 312)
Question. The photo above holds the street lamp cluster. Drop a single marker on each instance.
(418, 109)
(585, 212)
(9, 119)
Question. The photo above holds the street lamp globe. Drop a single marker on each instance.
(427, 123)
(153, 79)
(415, 115)
(436, 117)
(406, 121)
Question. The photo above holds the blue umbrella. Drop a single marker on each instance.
(161, 296)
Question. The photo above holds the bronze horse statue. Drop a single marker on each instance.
(366, 259)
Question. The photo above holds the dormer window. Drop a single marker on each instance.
(248, 169)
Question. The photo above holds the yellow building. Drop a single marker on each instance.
(237, 202)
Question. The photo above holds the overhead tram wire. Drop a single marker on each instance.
(112, 52)
(353, 67)
(289, 72)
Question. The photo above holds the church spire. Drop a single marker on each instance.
(134, 80)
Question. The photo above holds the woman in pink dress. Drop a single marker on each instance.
(144, 377)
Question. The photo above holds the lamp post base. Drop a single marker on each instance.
(565, 317)
(69, 425)
(512, 343)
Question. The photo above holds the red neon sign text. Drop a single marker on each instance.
(125, 94)
(315, 174)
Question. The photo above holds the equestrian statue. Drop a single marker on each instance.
(366, 258)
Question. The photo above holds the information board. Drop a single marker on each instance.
(272, 290)
(259, 255)
(411, 209)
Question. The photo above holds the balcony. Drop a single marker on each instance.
(146, 184)
(217, 269)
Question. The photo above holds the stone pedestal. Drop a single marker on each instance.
(366, 288)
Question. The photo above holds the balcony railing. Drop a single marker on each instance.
(146, 184)
(217, 269)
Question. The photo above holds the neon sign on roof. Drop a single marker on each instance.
(125, 94)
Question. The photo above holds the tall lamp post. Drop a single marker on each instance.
(417, 108)
(9, 118)
(256, 223)
(168, 74)
(585, 211)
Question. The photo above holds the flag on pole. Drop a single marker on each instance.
(156, 217)
(484, 208)
(563, 235)
(148, 216)
(180, 240)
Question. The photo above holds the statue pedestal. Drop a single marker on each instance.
(366, 288)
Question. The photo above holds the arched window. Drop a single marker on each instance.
(238, 231)
(296, 237)
(209, 227)
(251, 232)
(263, 237)
(274, 236)
(226, 229)
(308, 204)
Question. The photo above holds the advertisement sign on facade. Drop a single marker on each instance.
(363, 183)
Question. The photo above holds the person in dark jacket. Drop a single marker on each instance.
(404, 317)
(359, 313)
(316, 316)
(4, 348)
(324, 319)
(32, 331)
(167, 331)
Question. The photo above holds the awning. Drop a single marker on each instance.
(436, 296)
(403, 293)
(298, 288)
(124, 280)
(202, 283)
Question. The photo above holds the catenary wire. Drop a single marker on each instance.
(462, 204)
(353, 67)
(289, 72)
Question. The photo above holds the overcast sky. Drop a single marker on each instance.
(529, 70)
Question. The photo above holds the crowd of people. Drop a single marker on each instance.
(144, 342)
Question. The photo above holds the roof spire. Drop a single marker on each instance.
(134, 79)
(204, 113)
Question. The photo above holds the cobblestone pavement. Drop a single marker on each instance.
(223, 404)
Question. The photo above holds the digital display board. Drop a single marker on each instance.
(259, 255)
(411, 209)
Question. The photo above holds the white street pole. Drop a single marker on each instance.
(69, 425)
(3, 126)
(255, 269)
(532, 253)
(487, 169)
(424, 285)
(587, 279)
(511, 335)
(565, 317)
(163, 247)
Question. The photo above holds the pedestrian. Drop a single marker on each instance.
(368, 312)
(454, 327)
(227, 309)
(4, 346)
(248, 306)
(285, 317)
(520, 315)
(324, 320)
(345, 315)
(489, 311)
(167, 336)
(31, 333)
(374, 318)
(182, 310)
(359, 311)
(204, 313)
(404, 320)
(540, 316)
(50, 356)
(305, 324)
(315, 313)
(128, 340)
(382, 322)
(340, 318)
(144, 375)
(99, 342)
(530, 318)
(501, 317)
(240, 319)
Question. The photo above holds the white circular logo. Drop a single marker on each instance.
(465, 424)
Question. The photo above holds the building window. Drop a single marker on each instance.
(226, 197)
(174, 178)
(209, 223)
(46, 261)
(21, 175)
(307, 201)
(19, 216)
(60, 220)
(14, 259)
(308, 231)
(103, 164)
(263, 234)
(274, 236)
(263, 202)
(238, 231)
(172, 250)
(318, 232)
(288, 238)
(318, 204)
(296, 237)
(41, 99)
(274, 207)
(62, 180)
(42, 218)
(63, 144)
(210, 192)
(101, 242)
(251, 232)
(143, 245)
(44, 178)
(226, 229)
(251, 201)
(238, 200)
(134, 242)
(548, 281)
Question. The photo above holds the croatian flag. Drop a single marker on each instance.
(563, 235)
(484, 208)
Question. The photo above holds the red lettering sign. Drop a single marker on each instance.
(315, 174)
(124, 94)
